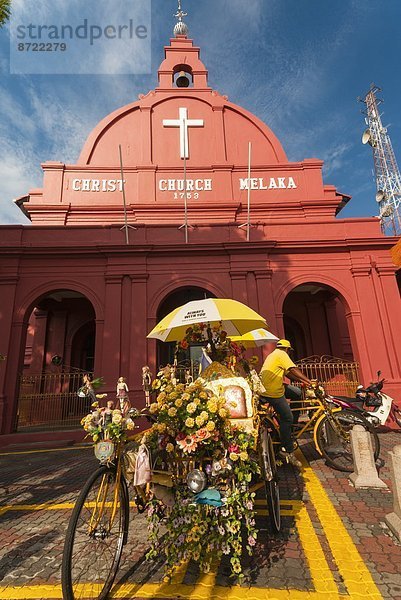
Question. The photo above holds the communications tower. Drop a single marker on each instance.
(387, 174)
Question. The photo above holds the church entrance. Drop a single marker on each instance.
(315, 322)
(166, 352)
(59, 348)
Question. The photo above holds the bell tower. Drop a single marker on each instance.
(182, 66)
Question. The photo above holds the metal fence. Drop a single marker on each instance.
(335, 374)
(49, 401)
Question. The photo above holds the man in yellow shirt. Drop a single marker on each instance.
(277, 366)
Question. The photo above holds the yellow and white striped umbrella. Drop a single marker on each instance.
(235, 318)
(257, 337)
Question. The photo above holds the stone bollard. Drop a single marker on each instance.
(365, 474)
(393, 519)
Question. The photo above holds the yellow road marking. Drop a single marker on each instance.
(45, 450)
(164, 591)
(70, 505)
(322, 577)
(355, 574)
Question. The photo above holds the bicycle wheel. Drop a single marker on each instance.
(270, 479)
(334, 440)
(397, 416)
(95, 537)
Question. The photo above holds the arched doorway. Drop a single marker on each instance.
(59, 347)
(83, 347)
(315, 322)
(166, 351)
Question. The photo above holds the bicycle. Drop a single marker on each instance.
(98, 527)
(331, 426)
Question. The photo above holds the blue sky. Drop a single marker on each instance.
(299, 65)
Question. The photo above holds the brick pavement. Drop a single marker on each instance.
(301, 562)
(363, 513)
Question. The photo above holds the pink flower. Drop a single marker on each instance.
(251, 540)
(201, 434)
(188, 444)
(233, 448)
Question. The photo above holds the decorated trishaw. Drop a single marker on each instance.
(191, 471)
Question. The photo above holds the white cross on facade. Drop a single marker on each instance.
(183, 123)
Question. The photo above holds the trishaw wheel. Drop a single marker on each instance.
(334, 440)
(95, 537)
(270, 479)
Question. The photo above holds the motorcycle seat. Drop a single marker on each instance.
(351, 399)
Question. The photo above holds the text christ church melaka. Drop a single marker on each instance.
(72, 287)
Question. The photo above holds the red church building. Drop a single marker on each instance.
(75, 296)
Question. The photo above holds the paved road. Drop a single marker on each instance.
(334, 543)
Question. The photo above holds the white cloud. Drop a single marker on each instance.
(18, 174)
(334, 157)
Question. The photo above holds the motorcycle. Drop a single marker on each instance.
(376, 406)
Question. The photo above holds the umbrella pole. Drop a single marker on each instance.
(211, 342)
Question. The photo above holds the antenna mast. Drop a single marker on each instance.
(387, 174)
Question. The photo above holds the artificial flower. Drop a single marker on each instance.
(202, 434)
(199, 420)
(188, 444)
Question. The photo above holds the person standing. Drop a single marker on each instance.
(277, 366)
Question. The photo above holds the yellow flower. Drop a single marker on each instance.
(189, 422)
(204, 415)
(180, 387)
(223, 412)
(153, 407)
(173, 396)
(130, 424)
(212, 405)
(169, 447)
(199, 421)
(191, 408)
(172, 411)
(196, 401)
(162, 427)
(178, 403)
(203, 395)
(210, 426)
(237, 568)
(161, 397)
(185, 396)
(234, 456)
(243, 455)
